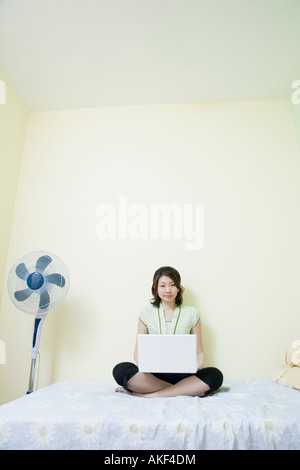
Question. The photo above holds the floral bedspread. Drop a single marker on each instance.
(249, 414)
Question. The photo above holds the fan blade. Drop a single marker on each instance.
(21, 295)
(56, 279)
(21, 271)
(42, 263)
(44, 300)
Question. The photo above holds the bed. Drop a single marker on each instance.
(250, 414)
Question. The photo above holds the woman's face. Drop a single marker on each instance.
(166, 289)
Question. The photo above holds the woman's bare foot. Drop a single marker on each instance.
(144, 395)
(122, 390)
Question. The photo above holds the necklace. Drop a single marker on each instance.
(165, 321)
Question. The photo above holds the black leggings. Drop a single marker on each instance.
(210, 375)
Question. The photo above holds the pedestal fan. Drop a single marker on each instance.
(37, 283)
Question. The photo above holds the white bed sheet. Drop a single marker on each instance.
(249, 414)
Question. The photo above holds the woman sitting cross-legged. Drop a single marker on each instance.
(168, 315)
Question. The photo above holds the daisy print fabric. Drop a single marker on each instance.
(248, 414)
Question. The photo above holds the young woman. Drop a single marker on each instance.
(168, 315)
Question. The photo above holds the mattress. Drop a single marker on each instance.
(249, 414)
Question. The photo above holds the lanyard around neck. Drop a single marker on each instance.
(165, 321)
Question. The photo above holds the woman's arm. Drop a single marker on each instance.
(200, 353)
(142, 330)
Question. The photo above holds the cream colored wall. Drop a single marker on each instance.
(296, 114)
(241, 160)
(13, 123)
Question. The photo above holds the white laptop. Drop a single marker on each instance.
(167, 353)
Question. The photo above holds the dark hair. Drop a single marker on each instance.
(175, 276)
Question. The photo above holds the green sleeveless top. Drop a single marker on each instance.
(184, 319)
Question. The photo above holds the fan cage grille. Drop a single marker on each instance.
(56, 293)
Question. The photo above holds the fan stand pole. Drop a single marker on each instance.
(38, 323)
(31, 376)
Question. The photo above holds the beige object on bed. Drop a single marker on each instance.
(290, 376)
(292, 356)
